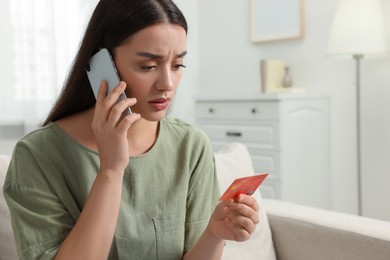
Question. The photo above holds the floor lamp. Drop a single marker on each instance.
(357, 32)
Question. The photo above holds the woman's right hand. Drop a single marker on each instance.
(110, 129)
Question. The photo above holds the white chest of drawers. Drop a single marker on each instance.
(287, 135)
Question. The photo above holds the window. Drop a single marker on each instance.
(45, 35)
(32, 48)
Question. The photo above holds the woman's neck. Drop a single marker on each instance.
(142, 135)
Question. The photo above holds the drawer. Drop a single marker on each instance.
(263, 136)
(237, 110)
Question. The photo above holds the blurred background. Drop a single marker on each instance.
(39, 39)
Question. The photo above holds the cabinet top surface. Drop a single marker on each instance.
(264, 97)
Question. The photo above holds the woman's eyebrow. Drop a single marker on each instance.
(181, 54)
(157, 56)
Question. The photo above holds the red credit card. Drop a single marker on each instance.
(245, 185)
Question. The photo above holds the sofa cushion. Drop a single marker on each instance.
(302, 232)
(233, 161)
(7, 244)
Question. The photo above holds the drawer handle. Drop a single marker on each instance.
(211, 110)
(254, 110)
(234, 134)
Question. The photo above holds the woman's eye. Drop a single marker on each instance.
(148, 68)
(178, 66)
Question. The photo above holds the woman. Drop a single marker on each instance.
(91, 184)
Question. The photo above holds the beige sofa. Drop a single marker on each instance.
(286, 232)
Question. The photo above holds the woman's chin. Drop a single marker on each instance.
(156, 116)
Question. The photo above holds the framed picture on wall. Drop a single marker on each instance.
(275, 20)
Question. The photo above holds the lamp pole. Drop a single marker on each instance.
(358, 58)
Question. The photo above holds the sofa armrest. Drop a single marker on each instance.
(302, 232)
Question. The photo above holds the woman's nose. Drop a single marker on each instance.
(166, 80)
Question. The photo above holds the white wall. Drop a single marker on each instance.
(229, 64)
(376, 131)
(184, 102)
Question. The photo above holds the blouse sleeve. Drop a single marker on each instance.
(40, 220)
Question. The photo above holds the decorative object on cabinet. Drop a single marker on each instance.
(287, 135)
(275, 77)
(287, 81)
(351, 36)
(276, 20)
(271, 74)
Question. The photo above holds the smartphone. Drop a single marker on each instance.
(102, 67)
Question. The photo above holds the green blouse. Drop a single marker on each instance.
(168, 193)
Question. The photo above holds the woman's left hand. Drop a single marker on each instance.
(235, 219)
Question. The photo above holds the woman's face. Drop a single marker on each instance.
(151, 63)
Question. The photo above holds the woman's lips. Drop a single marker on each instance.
(160, 104)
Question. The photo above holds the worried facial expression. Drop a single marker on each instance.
(151, 63)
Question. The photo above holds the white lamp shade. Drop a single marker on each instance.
(357, 28)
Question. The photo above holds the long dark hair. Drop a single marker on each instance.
(111, 23)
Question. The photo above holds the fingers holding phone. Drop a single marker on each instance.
(114, 105)
(112, 110)
(118, 113)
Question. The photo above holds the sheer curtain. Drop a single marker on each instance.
(45, 35)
